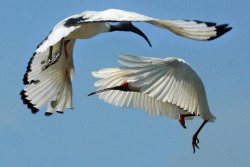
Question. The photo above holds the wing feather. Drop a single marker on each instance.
(142, 101)
(133, 99)
(166, 87)
(179, 84)
(51, 86)
(193, 29)
(62, 103)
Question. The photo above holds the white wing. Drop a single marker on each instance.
(114, 77)
(67, 29)
(58, 32)
(197, 30)
(169, 80)
(52, 85)
(193, 29)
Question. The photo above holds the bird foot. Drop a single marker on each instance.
(195, 142)
(51, 61)
(182, 121)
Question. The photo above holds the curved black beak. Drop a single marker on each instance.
(104, 90)
(128, 26)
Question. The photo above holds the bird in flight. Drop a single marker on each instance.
(167, 87)
(50, 70)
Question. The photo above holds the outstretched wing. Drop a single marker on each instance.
(50, 84)
(115, 77)
(193, 29)
(58, 32)
(170, 80)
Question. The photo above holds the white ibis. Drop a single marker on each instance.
(160, 86)
(50, 70)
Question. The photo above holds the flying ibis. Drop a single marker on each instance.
(168, 87)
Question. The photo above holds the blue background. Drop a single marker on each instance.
(95, 133)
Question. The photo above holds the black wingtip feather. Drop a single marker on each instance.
(209, 24)
(48, 114)
(28, 69)
(29, 104)
(60, 112)
(74, 21)
(221, 29)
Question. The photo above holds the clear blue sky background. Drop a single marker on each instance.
(95, 133)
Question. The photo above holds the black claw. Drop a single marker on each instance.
(195, 143)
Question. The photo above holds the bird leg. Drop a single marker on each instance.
(195, 139)
(182, 120)
(65, 48)
(52, 60)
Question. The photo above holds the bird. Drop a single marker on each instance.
(50, 70)
(168, 87)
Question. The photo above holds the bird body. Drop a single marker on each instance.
(167, 87)
(154, 83)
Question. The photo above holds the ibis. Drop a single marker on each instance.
(168, 87)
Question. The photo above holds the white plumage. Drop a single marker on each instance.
(155, 85)
(50, 70)
(167, 87)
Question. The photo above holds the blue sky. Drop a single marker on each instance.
(95, 133)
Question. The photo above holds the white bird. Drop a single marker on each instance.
(167, 87)
(50, 71)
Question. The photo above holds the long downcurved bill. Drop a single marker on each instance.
(104, 90)
(128, 26)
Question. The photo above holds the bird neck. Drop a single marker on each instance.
(106, 27)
